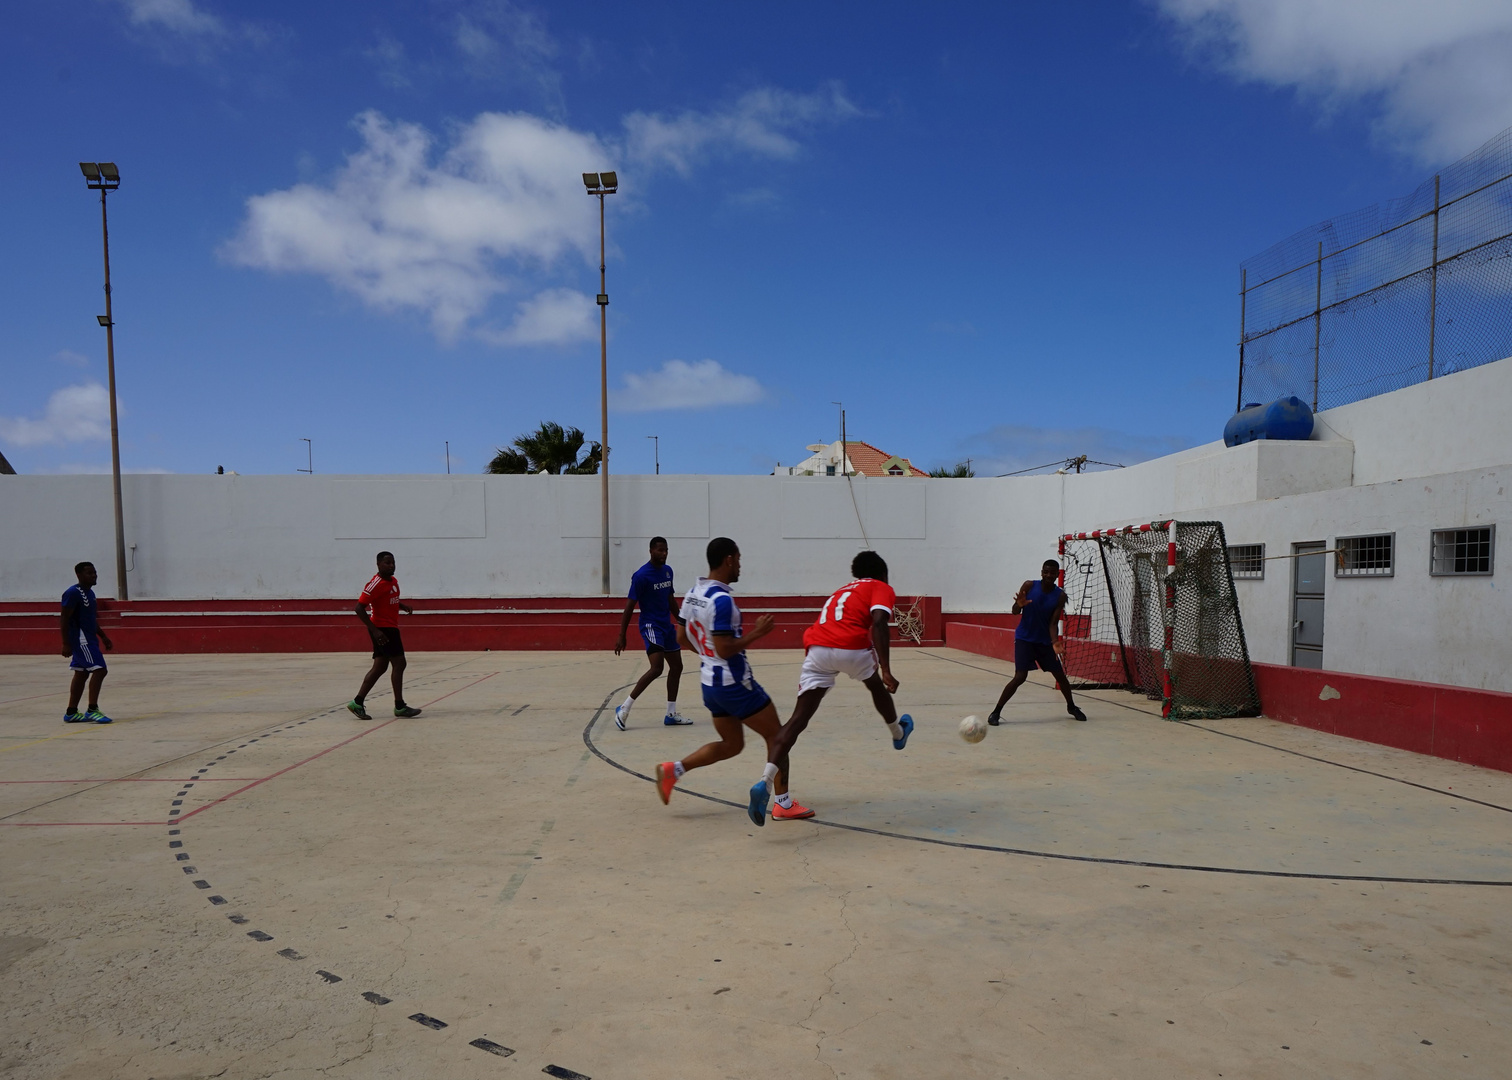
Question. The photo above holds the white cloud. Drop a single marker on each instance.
(553, 317)
(681, 385)
(73, 414)
(401, 232)
(1439, 76)
(178, 16)
(447, 235)
(763, 122)
(1011, 447)
(69, 358)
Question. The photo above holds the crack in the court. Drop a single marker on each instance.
(843, 898)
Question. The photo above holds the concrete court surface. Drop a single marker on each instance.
(251, 883)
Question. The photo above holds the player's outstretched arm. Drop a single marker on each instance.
(1021, 601)
(727, 645)
(619, 642)
(883, 648)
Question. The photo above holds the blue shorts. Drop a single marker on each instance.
(736, 700)
(87, 655)
(1028, 653)
(659, 637)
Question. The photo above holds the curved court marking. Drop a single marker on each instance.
(182, 858)
(1241, 871)
(1257, 742)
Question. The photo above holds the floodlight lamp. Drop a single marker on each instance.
(110, 172)
(609, 179)
(90, 170)
(103, 320)
(590, 180)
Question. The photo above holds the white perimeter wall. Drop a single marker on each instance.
(1428, 457)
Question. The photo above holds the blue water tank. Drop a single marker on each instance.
(1284, 418)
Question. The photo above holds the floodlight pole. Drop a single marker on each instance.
(103, 182)
(603, 303)
(601, 184)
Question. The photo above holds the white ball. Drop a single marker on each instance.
(973, 729)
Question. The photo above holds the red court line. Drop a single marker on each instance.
(140, 780)
(34, 697)
(327, 750)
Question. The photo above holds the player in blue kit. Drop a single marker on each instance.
(710, 625)
(81, 641)
(1039, 606)
(651, 588)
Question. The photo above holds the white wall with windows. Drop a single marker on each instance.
(1433, 459)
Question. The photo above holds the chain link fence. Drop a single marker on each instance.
(1387, 296)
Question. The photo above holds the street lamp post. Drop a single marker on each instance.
(602, 184)
(656, 449)
(105, 177)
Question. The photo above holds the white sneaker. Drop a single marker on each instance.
(620, 713)
(676, 719)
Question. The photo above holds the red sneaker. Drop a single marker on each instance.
(792, 813)
(666, 779)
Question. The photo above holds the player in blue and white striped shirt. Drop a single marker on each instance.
(710, 625)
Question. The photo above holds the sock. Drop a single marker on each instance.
(678, 770)
(629, 701)
(671, 706)
(896, 729)
(785, 801)
(770, 773)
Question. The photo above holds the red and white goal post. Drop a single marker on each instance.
(1151, 608)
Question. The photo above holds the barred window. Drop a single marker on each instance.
(1463, 551)
(1365, 556)
(1247, 561)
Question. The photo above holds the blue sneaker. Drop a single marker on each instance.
(758, 805)
(95, 716)
(621, 714)
(906, 723)
(74, 717)
(676, 719)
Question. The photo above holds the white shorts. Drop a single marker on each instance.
(821, 664)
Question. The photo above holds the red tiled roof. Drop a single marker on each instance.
(867, 460)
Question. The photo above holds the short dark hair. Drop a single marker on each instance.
(1049, 562)
(79, 567)
(381, 554)
(720, 549)
(869, 564)
(662, 540)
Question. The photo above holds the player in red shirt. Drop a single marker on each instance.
(381, 597)
(849, 636)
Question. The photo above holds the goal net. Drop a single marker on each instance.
(1151, 608)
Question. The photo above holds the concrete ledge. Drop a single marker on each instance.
(1452, 722)
(447, 624)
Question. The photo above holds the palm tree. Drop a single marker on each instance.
(550, 448)
(964, 469)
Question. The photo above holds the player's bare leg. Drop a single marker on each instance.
(996, 716)
(653, 672)
(76, 691)
(380, 665)
(731, 742)
(1065, 688)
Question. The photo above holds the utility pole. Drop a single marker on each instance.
(843, 454)
(656, 449)
(448, 457)
(602, 184)
(105, 177)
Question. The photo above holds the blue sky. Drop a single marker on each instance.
(1005, 232)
